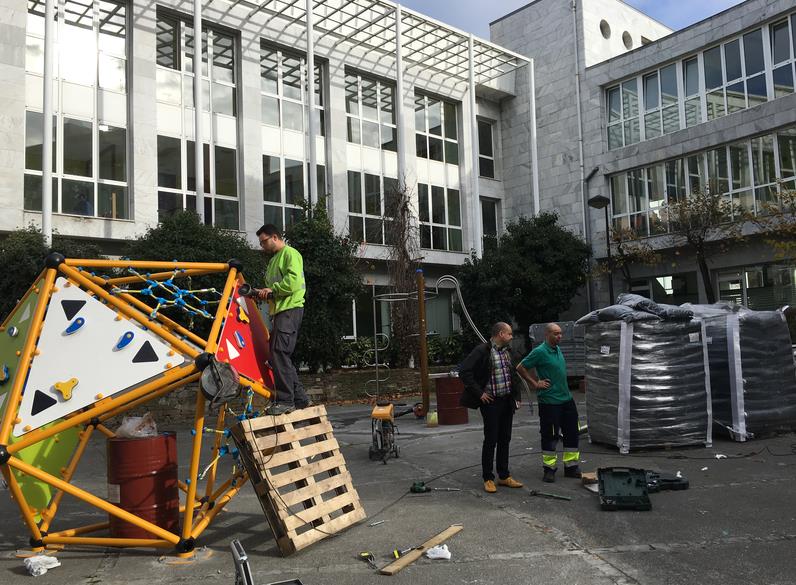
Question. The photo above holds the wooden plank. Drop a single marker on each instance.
(295, 520)
(342, 480)
(415, 554)
(265, 442)
(303, 452)
(268, 421)
(307, 538)
(278, 480)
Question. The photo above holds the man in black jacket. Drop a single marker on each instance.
(490, 385)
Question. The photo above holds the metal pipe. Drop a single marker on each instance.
(197, 104)
(399, 99)
(47, 127)
(423, 349)
(534, 146)
(475, 200)
(313, 181)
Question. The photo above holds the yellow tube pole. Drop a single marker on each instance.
(223, 501)
(83, 417)
(92, 500)
(106, 431)
(199, 416)
(118, 542)
(88, 529)
(128, 311)
(159, 276)
(146, 264)
(211, 479)
(13, 397)
(16, 493)
(49, 513)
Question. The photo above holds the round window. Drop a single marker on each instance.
(627, 39)
(605, 29)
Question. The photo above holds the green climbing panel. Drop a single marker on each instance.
(50, 455)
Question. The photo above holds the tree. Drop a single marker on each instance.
(627, 250)
(403, 262)
(332, 279)
(705, 224)
(776, 224)
(22, 254)
(531, 276)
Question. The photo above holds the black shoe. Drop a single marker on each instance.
(278, 408)
(573, 471)
(549, 475)
(300, 405)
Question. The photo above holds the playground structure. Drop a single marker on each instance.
(83, 346)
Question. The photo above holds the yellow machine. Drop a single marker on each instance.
(384, 429)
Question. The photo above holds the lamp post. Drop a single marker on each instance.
(602, 202)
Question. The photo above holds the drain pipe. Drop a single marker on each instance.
(586, 226)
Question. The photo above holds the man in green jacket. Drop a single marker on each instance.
(545, 370)
(284, 292)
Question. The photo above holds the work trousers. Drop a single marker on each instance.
(284, 332)
(556, 420)
(497, 416)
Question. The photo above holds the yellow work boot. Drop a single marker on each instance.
(489, 486)
(510, 482)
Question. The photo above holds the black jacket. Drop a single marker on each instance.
(475, 372)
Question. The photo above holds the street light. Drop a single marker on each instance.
(602, 202)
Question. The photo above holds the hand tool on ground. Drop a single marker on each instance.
(368, 557)
(549, 495)
(419, 487)
(399, 552)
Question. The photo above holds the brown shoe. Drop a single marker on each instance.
(510, 482)
(489, 486)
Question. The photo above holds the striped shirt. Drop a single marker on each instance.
(500, 380)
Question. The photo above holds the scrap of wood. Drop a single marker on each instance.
(588, 477)
(418, 552)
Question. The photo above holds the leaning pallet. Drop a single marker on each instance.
(299, 475)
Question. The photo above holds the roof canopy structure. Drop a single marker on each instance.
(427, 43)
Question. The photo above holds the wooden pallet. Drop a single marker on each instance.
(300, 476)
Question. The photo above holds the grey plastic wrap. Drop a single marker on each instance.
(752, 370)
(648, 384)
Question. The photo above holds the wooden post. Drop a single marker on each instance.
(423, 347)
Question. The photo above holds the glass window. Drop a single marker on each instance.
(269, 71)
(712, 63)
(739, 166)
(112, 153)
(786, 143)
(437, 204)
(167, 43)
(454, 210)
(783, 80)
(270, 110)
(732, 60)
(224, 99)
(190, 150)
(112, 201)
(486, 155)
(669, 85)
(753, 52)
(718, 179)
(291, 77)
(354, 192)
(292, 116)
(422, 195)
(226, 172)
(434, 117)
(112, 27)
(112, 73)
(489, 225)
(614, 105)
(78, 148)
(169, 160)
(370, 109)
(780, 43)
(32, 193)
(372, 195)
(651, 94)
(450, 121)
(272, 188)
(34, 140)
(223, 58)
(294, 181)
(619, 194)
(78, 197)
(351, 94)
(226, 213)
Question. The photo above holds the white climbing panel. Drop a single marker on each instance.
(86, 353)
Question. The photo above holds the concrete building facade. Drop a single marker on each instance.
(707, 108)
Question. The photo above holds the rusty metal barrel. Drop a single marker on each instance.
(449, 390)
(142, 480)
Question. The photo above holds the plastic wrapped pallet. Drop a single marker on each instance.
(648, 384)
(752, 370)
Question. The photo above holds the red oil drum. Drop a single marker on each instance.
(142, 479)
(449, 390)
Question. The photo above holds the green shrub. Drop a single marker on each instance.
(22, 254)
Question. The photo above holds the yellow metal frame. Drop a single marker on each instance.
(197, 512)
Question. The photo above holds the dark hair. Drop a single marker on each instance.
(269, 229)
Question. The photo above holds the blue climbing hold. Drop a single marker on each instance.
(125, 340)
(75, 325)
(239, 339)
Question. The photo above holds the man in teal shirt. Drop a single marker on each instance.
(545, 370)
(284, 291)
